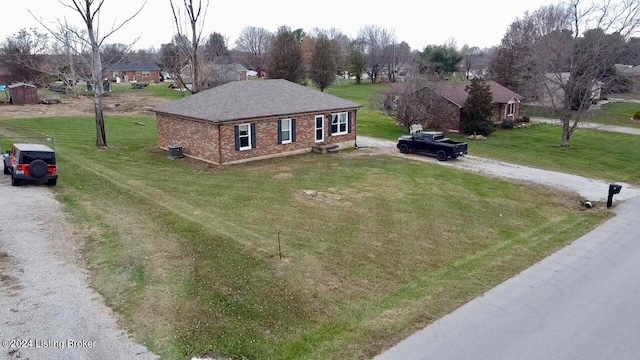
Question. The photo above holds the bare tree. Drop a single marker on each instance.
(89, 11)
(24, 53)
(375, 40)
(469, 56)
(66, 62)
(580, 64)
(189, 23)
(256, 41)
(414, 102)
(396, 56)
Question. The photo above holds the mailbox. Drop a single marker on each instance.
(613, 189)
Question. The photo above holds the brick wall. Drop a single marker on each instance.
(154, 76)
(444, 114)
(198, 139)
(267, 137)
(500, 112)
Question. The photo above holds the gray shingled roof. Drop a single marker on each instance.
(252, 99)
(457, 94)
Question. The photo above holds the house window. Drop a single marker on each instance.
(319, 128)
(511, 109)
(285, 131)
(339, 123)
(244, 136)
(137, 73)
(146, 74)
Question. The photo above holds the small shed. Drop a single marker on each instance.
(22, 93)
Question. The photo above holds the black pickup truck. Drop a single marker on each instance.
(432, 142)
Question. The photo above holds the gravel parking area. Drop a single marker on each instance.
(47, 309)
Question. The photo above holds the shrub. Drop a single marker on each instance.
(636, 116)
(526, 119)
(507, 124)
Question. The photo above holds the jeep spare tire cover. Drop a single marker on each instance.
(38, 168)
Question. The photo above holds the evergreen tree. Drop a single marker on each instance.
(478, 108)
(286, 56)
(323, 64)
(356, 59)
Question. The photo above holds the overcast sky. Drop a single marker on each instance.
(473, 22)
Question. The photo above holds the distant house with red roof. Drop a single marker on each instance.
(452, 97)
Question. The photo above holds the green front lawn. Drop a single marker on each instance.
(371, 121)
(161, 89)
(617, 113)
(188, 254)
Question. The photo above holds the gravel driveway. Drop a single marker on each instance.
(590, 189)
(45, 300)
(592, 126)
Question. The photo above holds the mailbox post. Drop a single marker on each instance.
(613, 189)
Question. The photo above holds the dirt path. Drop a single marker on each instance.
(45, 298)
(590, 189)
(129, 103)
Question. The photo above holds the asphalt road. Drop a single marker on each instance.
(580, 303)
(47, 309)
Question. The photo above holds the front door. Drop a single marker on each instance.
(319, 128)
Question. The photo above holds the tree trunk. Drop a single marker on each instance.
(98, 89)
(72, 67)
(195, 86)
(566, 131)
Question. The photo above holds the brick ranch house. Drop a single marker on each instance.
(250, 120)
(450, 99)
(127, 72)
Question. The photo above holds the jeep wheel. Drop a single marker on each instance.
(52, 182)
(14, 181)
(6, 170)
(441, 155)
(404, 148)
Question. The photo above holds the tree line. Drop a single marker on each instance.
(293, 54)
(578, 38)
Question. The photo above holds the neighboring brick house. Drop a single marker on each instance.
(453, 96)
(249, 120)
(128, 72)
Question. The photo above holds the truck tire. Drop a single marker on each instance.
(52, 182)
(404, 148)
(6, 170)
(38, 168)
(441, 155)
